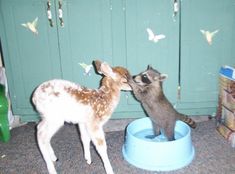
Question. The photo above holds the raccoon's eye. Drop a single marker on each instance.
(145, 76)
(145, 79)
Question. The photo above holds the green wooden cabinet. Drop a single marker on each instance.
(163, 54)
(139, 51)
(201, 61)
(29, 58)
(116, 31)
(86, 36)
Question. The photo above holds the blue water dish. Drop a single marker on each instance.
(157, 154)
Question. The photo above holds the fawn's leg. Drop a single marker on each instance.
(85, 137)
(98, 138)
(45, 131)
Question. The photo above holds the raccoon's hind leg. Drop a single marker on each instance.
(170, 131)
(156, 131)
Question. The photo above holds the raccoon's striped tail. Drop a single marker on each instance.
(188, 120)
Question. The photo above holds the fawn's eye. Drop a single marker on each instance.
(124, 80)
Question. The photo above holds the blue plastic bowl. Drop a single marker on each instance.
(157, 154)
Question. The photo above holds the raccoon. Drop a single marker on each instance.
(147, 88)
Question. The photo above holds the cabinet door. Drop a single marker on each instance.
(30, 58)
(115, 31)
(200, 59)
(141, 50)
(86, 36)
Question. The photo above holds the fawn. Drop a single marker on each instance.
(60, 101)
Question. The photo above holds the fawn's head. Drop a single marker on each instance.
(115, 75)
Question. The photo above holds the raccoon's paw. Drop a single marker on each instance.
(150, 136)
(130, 79)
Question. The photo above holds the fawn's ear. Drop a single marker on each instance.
(107, 70)
(104, 68)
(97, 64)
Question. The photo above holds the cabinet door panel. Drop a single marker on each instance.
(116, 32)
(86, 36)
(157, 15)
(201, 60)
(90, 33)
(29, 58)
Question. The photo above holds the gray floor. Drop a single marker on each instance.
(21, 154)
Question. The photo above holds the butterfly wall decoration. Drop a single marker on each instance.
(209, 35)
(87, 68)
(32, 26)
(153, 37)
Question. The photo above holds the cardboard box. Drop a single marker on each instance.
(228, 118)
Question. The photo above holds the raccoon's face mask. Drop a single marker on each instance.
(149, 76)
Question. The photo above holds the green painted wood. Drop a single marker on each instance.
(140, 51)
(90, 33)
(115, 31)
(117, 9)
(200, 61)
(85, 37)
(107, 33)
(29, 58)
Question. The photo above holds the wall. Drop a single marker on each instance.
(0, 60)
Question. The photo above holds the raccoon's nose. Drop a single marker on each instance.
(133, 77)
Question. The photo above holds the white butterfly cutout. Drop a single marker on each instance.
(32, 26)
(153, 37)
(209, 35)
(87, 68)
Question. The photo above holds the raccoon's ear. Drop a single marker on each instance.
(163, 77)
(149, 67)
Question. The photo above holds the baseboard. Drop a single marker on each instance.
(121, 124)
